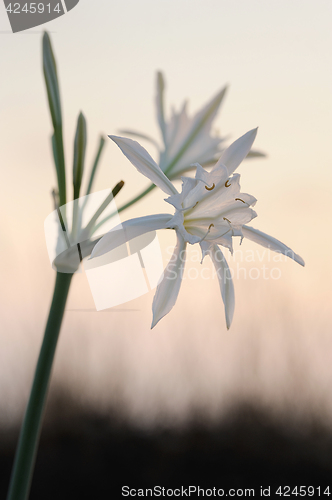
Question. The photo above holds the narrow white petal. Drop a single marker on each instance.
(237, 151)
(160, 104)
(168, 289)
(204, 150)
(206, 115)
(205, 247)
(128, 230)
(225, 282)
(191, 131)
(176, 131)
(269, 242)
(144, 163)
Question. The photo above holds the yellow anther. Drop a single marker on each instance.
(211, 225)
(210, 189)
(225, 218)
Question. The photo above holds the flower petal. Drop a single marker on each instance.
(269, 242)
(128, 230)
(205, 248)
(188, 184)
(206, 151)
(221, 199)
(141, 159)
(237, 151)
(177, 223)
(160, 104)
(226, 240)
(225, 282)
(207, 181)
(218, 226)
(190, 132)
(168, 289)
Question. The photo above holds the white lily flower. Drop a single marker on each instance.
(210, 210)
(186, 139)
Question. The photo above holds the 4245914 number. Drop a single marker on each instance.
(33, 8)
(303, 491)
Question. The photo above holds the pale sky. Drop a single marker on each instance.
(275, 55)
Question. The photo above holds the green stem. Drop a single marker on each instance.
(103, 206)
(30, 431)
(61, 173)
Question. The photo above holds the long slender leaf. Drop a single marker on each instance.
(53, 94)
(79, 154)
(55, 152)
(78, 168)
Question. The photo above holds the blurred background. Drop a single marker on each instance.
(188, 401)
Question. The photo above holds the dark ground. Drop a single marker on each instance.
(86, 456)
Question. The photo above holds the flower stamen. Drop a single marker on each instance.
(226, 183)
(188, 208)
(225, 218)
(207, 232)
(210, 188)
(239, 199)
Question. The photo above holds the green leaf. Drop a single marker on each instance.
(55, 152)
(51, 80)
(79, 154)
(53, 94)
(95, 164)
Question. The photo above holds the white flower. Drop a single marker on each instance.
(186, 139)
(210, 210)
